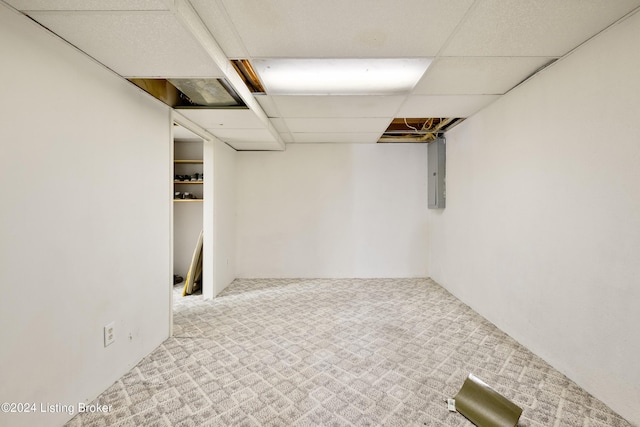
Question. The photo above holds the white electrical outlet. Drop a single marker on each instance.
(109, 334)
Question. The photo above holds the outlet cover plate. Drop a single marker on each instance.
(109, 334)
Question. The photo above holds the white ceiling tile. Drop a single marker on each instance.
(267, 104)
(337, 106)
(220, 118)
(533, 28)
(28, 5)
(255, 146)
(363, 137)
(133, 44)
(215, 18)
(340, 29)
(286, 137)
(279, 124)
(477, 75)
(444, 105)
(338, 125)
(243, 135)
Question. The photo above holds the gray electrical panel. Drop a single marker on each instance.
(436, 169)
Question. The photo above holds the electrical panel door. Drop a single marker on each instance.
(436, 169)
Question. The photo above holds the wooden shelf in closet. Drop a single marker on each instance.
(193, 162)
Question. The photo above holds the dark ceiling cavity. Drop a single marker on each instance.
(246, 72)
(192, 93)
(417, 129)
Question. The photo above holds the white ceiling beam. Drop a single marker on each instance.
(190, 19)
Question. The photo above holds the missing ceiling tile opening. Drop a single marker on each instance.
(194, 93)
(419, 130)
(248, 75)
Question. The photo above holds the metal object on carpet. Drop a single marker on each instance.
(484, 406)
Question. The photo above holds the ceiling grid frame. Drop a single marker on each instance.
(458, 81)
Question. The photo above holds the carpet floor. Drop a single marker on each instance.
(349, 352)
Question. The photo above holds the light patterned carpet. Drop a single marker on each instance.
(353, 352)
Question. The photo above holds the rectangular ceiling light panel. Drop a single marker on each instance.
(375, 76)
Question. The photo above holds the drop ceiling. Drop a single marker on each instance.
(480, 49)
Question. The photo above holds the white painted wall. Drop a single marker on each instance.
(333, 210)
(187, 225)
(541, 233)
(223, 246)
(84, 223)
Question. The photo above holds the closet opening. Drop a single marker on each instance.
(190, 236)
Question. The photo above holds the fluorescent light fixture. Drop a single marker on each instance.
(374, 76)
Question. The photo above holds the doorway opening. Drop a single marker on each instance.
(190, 231)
